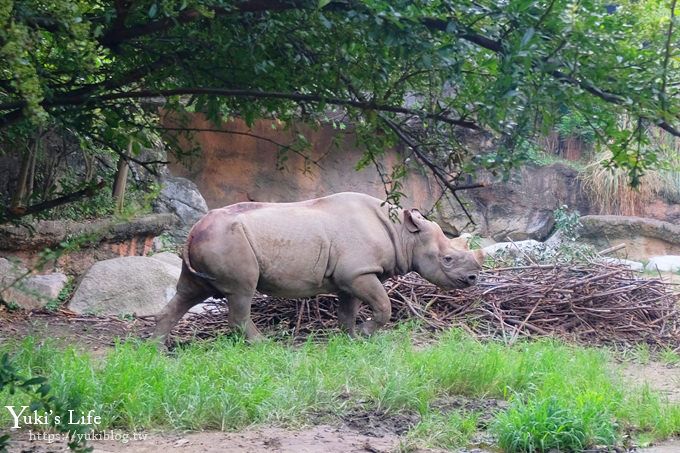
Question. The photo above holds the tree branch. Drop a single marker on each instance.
(297, 97)
(439, 173)
(50, 204)
(497, 47)
(117, 36)
(667, 55)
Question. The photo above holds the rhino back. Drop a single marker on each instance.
(309, 246)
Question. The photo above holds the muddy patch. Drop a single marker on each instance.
(92, 333)
(485, 408)
(380, 423)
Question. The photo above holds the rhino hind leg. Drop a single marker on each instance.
(189, 293)
(347, 313)
(239, 315)
(368, 288)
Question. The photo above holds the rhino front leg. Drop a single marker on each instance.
(347, 313)
(368, 288)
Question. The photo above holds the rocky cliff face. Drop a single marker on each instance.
(521, 208)
(238, 167)
(644, 237)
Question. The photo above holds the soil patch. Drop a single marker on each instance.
(92, 333)
(367, 421)
(487, 408)
(658, 376)
(322, 439)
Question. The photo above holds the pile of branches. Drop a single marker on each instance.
(587, 302)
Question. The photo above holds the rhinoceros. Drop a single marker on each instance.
(347, 244)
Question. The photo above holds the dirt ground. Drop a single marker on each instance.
(355, 432)
(659, 376)
(322, 438)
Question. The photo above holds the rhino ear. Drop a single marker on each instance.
(460, 243)
(479, 256)
(413, 220)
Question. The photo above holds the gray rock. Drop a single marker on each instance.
(32, 292)
(556, 241)
(157, 244)
(520, 208)
(510, 249)
(643, 237)
(168, 258)
(130, 285)
(666, 263)
(633, 265)
(182, 198)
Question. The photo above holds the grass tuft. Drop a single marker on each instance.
(545, 424)
(437, 430)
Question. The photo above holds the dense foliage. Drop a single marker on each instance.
(419, 72)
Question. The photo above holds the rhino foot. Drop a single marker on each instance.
(368, 328)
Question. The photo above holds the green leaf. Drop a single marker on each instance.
(34, 381)
(44, 389)
(527, 36)
(153, 10)
(35, 406)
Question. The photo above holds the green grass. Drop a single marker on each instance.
(669, 356)
(548, 423)
(560, 392)
(437, 430)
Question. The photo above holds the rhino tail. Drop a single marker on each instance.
(187, 261)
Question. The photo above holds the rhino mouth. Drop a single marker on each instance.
(459, 283)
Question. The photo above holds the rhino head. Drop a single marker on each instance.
(445, 262)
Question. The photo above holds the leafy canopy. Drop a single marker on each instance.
(418, 72)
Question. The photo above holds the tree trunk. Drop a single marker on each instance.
(89, 165)
(120, 182)
(20, 195)
(31, 178)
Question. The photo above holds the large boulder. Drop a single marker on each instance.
(130, 285)
(520, 208)
(643, 237)
(182, 198)
(510, 249)
(31, 292)
(168, 258)
(667, 263)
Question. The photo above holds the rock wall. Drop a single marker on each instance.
(521, 208)
(643, 237)
(238, 167)
(129, 238)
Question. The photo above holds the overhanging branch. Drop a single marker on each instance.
(497, 47)
(50, 204)
(439, 172)
(296, 97)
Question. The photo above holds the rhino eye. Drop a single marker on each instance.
(448, 259)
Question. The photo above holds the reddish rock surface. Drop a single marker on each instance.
(237, 166)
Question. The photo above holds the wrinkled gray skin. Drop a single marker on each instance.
(344, 243)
